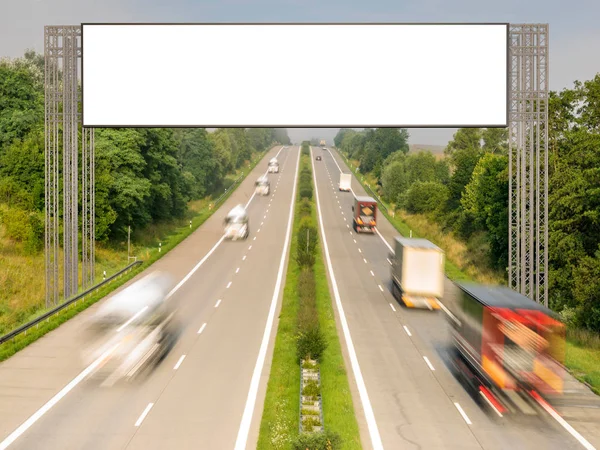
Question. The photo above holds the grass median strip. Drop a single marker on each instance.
(307, 330)
(173, 237)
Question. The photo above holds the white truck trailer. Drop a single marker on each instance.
(417, 273)
(346, 182)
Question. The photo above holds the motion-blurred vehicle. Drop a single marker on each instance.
(417, 273)
(345, 182)
(507, 348)
(262, 186)
(318, 158)
(236, 224)
(273, 166)
(364, 214)
(134, 330)
(323, 143)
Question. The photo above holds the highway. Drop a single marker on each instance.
(208, 393)
(197, 397)
(416, 401)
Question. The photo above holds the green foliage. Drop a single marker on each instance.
(311, 343)
(394, 181)
(425, 197)
(308, 239)
(322, 440)
(305, 208)
(311, 389)
(306, 148)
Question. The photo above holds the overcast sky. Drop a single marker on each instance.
(574, 26)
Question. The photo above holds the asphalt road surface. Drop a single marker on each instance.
(197, 396)
(402, 353)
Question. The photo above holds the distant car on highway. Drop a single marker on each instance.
(318, 158)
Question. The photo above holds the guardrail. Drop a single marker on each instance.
(48, 314)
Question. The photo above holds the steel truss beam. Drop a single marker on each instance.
(528, 160)
(62, 52)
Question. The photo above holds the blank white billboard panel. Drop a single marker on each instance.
(295, 75)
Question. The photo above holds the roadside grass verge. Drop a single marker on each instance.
(582, 357)
(280, 422)
(22, 303)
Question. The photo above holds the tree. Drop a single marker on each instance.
(394, 181)
(485, 201)
(21, 98)
(495, 140)
(421, 167)
(425, 197)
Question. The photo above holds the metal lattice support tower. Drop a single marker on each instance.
(87, 208)
(63, 45)
(528, 160)
(52, 99)
(70, 160)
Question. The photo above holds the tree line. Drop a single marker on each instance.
(143, 175)
(466, 191)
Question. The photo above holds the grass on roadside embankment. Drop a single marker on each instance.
(26, 301)
(280, 421)
(582, 357)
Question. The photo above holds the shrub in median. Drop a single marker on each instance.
(311, 343)
(305, 209)
(306, 192)
(307, 244)
(323, 440)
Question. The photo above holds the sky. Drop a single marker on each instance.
(574, 30)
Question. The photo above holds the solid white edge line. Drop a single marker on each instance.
(196, 267)
(392, 306)
(447, 311)
(54, 400)
(491, 404)
(202, 328)
(360, 382)
(179, 362)
(384, 241)
(135, 316)
(407, 330)
(144, 414)
(566, 426)
(244, 430)
(463, 414)
(218, 303)
(428, 363)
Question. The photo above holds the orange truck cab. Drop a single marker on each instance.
(508, 347)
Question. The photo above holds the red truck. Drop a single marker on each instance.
(508, 349)
(364, 214)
